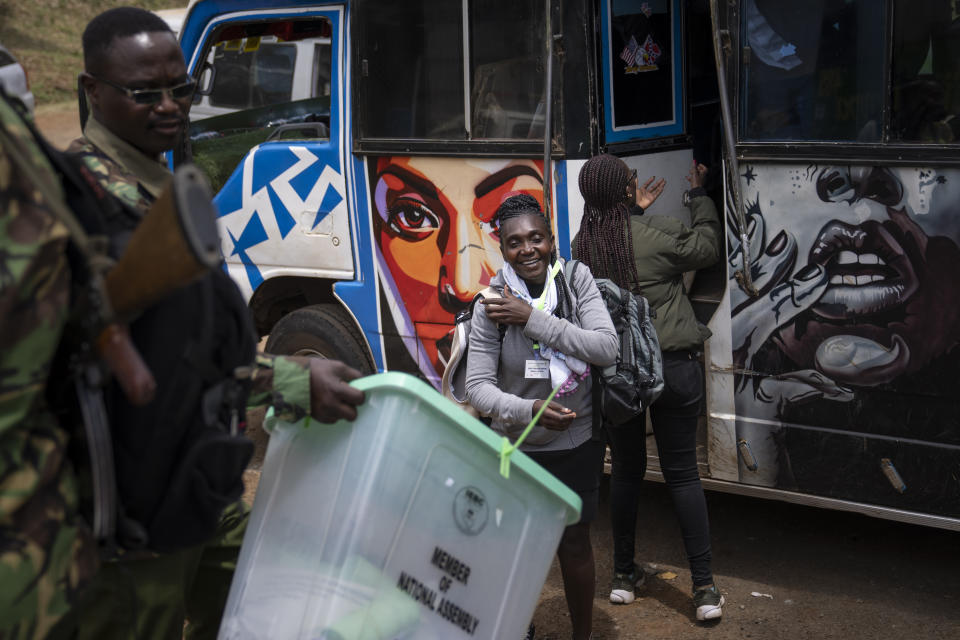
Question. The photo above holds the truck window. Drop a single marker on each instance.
(268, 75)
(257, 78)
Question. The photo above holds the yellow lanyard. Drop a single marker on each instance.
(542, 300)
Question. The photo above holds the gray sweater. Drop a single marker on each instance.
(495, 382)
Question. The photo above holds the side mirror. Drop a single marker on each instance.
(208, 74)
(82, 104)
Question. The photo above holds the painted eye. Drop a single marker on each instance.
(491, 228)
(835, 185)
(412, 220)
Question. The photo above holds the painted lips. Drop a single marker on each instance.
(868, 270)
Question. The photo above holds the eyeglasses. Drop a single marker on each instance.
(154, 96)
(633, 175)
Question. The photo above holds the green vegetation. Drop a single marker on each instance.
(44, 35)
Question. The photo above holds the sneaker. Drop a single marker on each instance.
(709, 602)
(623, 585)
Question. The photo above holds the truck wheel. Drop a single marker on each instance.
(323, 330)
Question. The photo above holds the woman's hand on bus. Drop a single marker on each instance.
(647, 194)
(697, 175)
(556, 416)
(507, 310)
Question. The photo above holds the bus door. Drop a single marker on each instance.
(269, 133)
(660, 111)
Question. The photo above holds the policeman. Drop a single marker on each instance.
(139, 94)
(46, 553)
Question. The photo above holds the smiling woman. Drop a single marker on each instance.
(541, 335)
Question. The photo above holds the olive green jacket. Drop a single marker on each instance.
(664, 248)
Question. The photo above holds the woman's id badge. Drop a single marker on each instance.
(537, 369)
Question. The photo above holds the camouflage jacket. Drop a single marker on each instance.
(45, 552)
(277, 381)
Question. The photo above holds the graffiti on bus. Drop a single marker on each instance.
(437, 246)
(857, 322)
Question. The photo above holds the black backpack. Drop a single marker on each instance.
(180, 459)
(630, 385)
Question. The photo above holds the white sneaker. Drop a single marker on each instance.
(709, 603)
(623, 584)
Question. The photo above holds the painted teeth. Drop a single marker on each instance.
(851, 257)
(856, 280)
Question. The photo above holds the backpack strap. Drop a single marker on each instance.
(452, 379)
(569, 272)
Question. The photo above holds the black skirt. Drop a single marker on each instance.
(580, 469)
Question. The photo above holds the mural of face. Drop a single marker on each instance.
(887, 239)
(438, 244)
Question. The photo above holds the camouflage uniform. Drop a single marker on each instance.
(46, 554)
(142, 595)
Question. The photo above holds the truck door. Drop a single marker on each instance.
(275, 154)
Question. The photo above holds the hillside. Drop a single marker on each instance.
(45, 37)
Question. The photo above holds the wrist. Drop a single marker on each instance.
(692, 193)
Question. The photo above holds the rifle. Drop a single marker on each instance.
(175, 243)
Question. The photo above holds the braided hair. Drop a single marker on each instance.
(605, 242)
(526, 205)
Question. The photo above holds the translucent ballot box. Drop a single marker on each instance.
(398, 525)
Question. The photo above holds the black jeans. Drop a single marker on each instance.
(674, 417)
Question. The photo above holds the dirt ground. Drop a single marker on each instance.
(59, 122)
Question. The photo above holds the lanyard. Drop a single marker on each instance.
(542, 300)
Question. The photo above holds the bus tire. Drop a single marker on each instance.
(323, 330)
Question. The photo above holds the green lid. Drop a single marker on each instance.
(481, 432)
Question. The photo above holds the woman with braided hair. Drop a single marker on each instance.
(649, 254)
(550, 332)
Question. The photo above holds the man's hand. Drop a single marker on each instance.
(507, 310)
(555, 416)
(647, 194)
(331, 398)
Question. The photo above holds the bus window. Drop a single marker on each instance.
(641, 62)
(430, 71)
(506, 67)
(925, 104)
(812, 70)
(412, 77)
